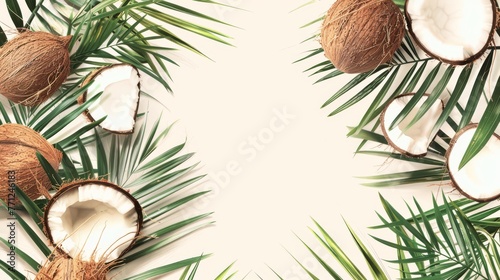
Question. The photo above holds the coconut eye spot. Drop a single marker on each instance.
(451, 29)
(93, 222)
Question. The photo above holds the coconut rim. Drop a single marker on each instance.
(76, 184)
(386, 135)
(82, 98)
(452, 178)
(453, 62)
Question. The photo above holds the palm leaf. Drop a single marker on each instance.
(486, 127)
(340, 255)
(15, 13)
(154, 189)
(404, 79)
(165, 269)
(449, 241)
(448, 245)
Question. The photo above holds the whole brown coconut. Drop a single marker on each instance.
(20, 166)
(359, 35)
(65, 268)
(33, 66)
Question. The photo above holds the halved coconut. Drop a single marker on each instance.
(120, 87)
(478, 179)
(93, 220)
(453, 31)
(415, 140)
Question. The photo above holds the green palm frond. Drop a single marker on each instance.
(412, 71)
(449, 244)
(342, 258)
(452, 240)
(155, 176)
(142, 33)
(52, 118)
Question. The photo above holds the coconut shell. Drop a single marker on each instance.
(468, 60)
(63, 268)
(20, 165)
(33, 66)
(454, 180)
(83, 98)
(385, 129)
(359, 35)
(76, 184)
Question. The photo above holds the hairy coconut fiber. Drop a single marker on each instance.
(20, 166)
(359, 35)
(65, 268)
(33, 66)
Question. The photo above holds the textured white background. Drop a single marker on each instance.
(268, 175)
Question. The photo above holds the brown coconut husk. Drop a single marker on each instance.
(33, 66)
(62, 267)
(19, 163)
(83, 98)
(76, 184)
(359, 35)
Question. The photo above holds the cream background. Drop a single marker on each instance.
(265, 193)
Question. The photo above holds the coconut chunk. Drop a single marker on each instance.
(415, 140)
(120, 87)
(93, 220)
(478, 179)
(454, 31)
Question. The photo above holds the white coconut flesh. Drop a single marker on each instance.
(451, 29)
(478, 179)
(119, 85)
(413, 140)
(93, 222)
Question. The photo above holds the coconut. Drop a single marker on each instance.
(20, 166)
(453, 31)
(61, 267)
(92, 220)
(359, 35)
(120, 87)
(478, 179)
(33, 66)
(410, 141)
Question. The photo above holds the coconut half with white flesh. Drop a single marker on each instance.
(119, 101)
(93, 220)
(410, 141)
(478, 179)
(453, 31)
